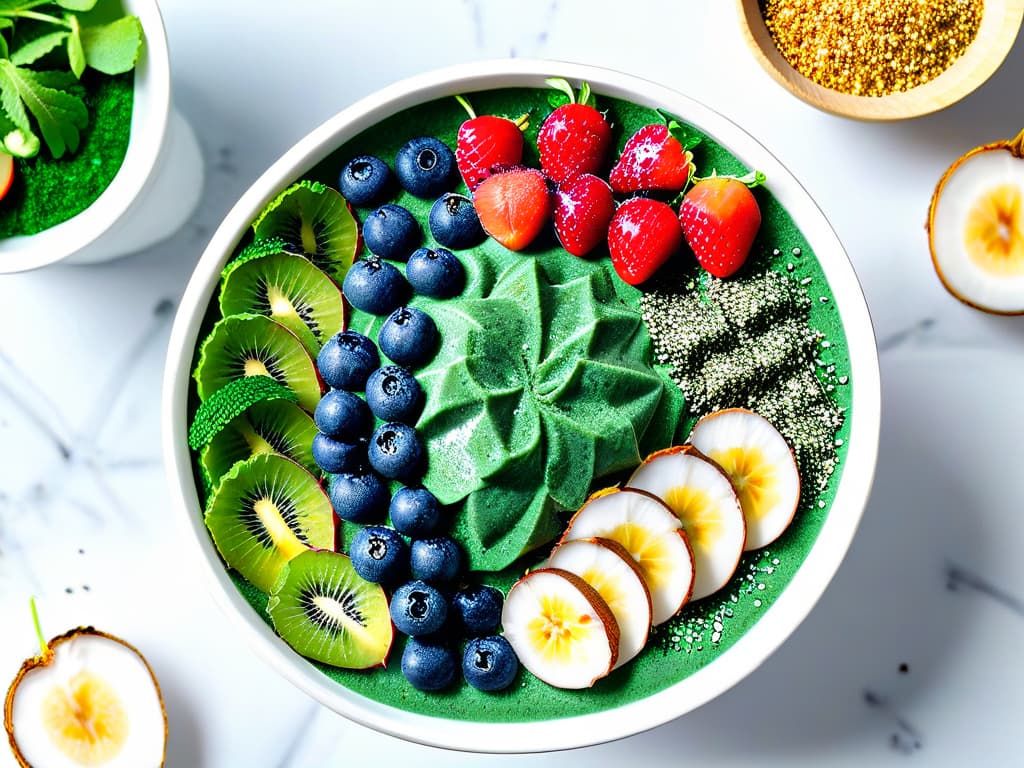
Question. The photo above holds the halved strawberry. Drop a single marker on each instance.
(575, 138)
(652, 159)
(583, 209)
(485, 142)
(642, 235)
(720, 218)
(513, 206)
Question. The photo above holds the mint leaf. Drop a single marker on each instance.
(113, 48)
(35, 49)
(59, 114)
(11, 102)
(76, 53)
(77, 5)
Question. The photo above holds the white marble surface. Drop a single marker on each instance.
(913, 652)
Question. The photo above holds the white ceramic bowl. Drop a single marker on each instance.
(791, 606)
(154, 191)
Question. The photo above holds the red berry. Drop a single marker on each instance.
(485, 142)
(720, 218)
(574, 139)
(652, 159)
(513, 206)
(583, 208)
(642, 235)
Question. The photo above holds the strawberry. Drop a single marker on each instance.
(513, 206)
(720, 219)
(583, 208)
(485, 142)
(575, 138)
(652, 159)
(642, 235)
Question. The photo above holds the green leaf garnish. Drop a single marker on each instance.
(77, 5)
(59, 114)
(35, 49)
(113, 48)
(76, 52)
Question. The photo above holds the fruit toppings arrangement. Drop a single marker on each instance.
(487, 444)
(89, 698)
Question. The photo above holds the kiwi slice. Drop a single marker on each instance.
(324, 610)
(289, 289)
(316, 219)
(255, 345)
(266, 511)
(271, 426)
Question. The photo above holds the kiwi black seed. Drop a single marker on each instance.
(255, 345)
(324, 610)
(266, 511)
(271, 426)
(315, 219)
(290, 289)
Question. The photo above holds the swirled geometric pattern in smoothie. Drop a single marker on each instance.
(542, 385)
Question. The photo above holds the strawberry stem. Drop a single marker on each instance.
(465, 105)
(43, 647)
(523, 121)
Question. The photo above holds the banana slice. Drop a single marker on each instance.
(761, 466)
(608, 567)
(560, 628)
(702, 497)
(648, 530)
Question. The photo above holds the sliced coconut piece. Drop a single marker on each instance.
(761, 466)
(700, 494)
(560, 628)
(976, 227)
(652, 535)
(89, 699)
(607, 567)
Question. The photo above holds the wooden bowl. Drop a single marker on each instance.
(1001, 20)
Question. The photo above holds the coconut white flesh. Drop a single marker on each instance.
(89, 672)
(760, 465)
(702, 497)
(558, 634)
(975, 177)
(610, 570)
(651, 534)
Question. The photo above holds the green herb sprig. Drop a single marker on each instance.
(45, 100)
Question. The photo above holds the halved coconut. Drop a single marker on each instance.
(761, 466)
(652, 535)
(89, 700)
(976, 227)
(560, 628)
(607, 567)
(701, 495)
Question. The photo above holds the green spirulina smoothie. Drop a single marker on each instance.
(781, 256)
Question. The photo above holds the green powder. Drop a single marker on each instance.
(46, 191)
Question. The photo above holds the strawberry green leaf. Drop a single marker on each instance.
(562, 92)
(76, 53)
(679, 132)
(35, 49)
(586, 96)
(60, 115)
(76, 5)
(113, 48)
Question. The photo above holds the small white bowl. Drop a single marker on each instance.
(794, 602)
(154, 191)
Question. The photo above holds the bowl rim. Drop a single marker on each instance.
(789, 609)
(151, 109)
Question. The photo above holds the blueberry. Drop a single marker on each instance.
(343, 416)
(414, 511)
(379, 555)
(478, 609)
(366, 180)
(347, 359)
(375, 286)
(425, 167)
(417, 608)
(408, 336)
(435, 272)
(359, 498)
(428, 667)
(335, 456)
(393, 394)
(454, 223)
(396, 451)
(436, 560)
(391, 232)
(489, 663)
